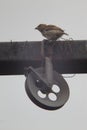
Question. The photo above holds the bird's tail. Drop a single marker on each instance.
(66, 34)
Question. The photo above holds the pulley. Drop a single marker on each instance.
(46, 87)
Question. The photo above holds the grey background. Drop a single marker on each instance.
(18, 18)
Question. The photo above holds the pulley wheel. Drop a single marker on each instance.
(50, 99)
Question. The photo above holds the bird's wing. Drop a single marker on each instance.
(53, 27)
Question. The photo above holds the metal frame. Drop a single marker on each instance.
(68, 56)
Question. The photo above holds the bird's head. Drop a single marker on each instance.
(41, 27)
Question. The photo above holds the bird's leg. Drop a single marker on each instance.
(52, 43)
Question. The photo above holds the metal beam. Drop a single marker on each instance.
(68, 56)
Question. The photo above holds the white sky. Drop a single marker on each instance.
(18, 18)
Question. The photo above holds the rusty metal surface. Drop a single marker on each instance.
(68, 56)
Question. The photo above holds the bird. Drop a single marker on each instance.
(50, 32)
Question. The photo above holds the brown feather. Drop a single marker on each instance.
(53, 27)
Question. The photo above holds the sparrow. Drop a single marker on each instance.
(50, 32)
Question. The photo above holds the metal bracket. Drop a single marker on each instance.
(42, 81)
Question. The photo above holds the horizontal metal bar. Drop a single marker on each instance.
(68, 56)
